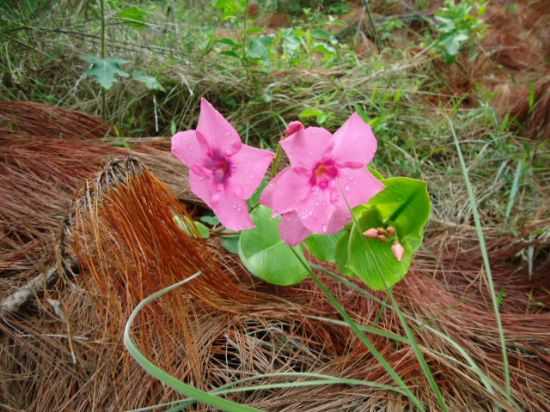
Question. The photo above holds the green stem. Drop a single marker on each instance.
(486, 262)
(333, 300)
(102, 9)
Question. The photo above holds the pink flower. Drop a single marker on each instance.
(223, 171)
(327, 176)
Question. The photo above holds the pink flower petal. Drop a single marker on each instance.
(248, 169)
(339, 219)
(202, 186)
(187, 148)
(219, 133)
(354, 143)
(286, 191)
(232, 211)
(358, 186)
(306, 147)
(292, 230)
(316, 211)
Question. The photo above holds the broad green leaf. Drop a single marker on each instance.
(341, 254)
(404, 204)
(150, 82)
(231, 243)
(211, 220)
(134, 16)
(259, 48)
(105, 71)
(266, 256)
(192, 227)
(323, 247)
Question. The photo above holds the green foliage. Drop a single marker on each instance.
(105, 71)
(266, 256)
(134, 16)
(108, 71)
(404, 204)
(192, 227)
(324, 247)
(149, 81)
(231, 8)
(457, 25)
(287, 47)
(231, 243)
(311, 113)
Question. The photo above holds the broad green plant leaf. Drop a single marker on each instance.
(150, 82)
(105, 71)
(266, 256)
(323, 247)
(231, 243)
(404, 204)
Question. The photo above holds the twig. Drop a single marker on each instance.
(371, 23)
(13, 302)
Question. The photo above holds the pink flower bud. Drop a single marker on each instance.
(398, 251)
(371, 233)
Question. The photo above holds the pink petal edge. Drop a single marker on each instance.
(293, 232)
(219, 133)
(354, 142)
(249, 167)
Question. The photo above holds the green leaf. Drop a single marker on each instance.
(266, 256)
(404, 204)
(341, 254)
(323, 247)
(105, 71)
(259, 48)
(231, 8)
(211, 220)
(150, 82)
(192, 227)
(231, 243)
(312, 113)
(134, 16)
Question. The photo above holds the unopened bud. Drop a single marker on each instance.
(398, 251)
(371, 233)
(294, 127)
(390, 231)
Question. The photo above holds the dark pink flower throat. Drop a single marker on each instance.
(219, 165)
(323, 173)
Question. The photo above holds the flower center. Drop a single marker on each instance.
(323, 173)
(219, 165)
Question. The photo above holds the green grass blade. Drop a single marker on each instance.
(487, 382)
(183, 388)
(515, 190)
(333, 300)
(486, 262)
(319, 380)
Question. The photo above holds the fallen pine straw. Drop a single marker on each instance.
(226, 325)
